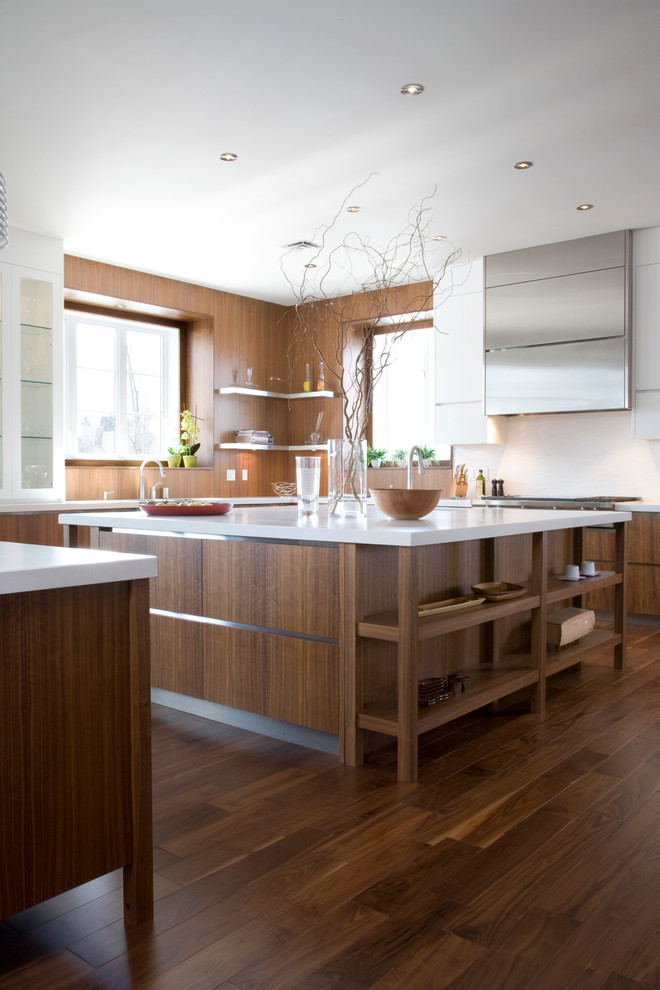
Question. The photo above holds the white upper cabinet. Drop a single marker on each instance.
(646, 333)
(31, 369)
(459, 320)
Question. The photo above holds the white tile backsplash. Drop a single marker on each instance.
(573, 454)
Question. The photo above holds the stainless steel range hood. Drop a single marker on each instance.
(557, 321)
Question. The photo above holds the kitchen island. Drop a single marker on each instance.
(75, 733)
(315, 622)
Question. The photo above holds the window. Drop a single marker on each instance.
(404, 396)
(122, 387)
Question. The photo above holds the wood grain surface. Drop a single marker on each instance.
(525, 856)
(75, 786)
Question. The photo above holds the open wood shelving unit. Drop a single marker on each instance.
(257, 393)
(498, 673)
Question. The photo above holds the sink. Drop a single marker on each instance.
(406, 503)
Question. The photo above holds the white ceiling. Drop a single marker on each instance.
(113, 115)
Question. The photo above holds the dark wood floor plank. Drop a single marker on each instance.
(424, 872)
(302, 954)
(57, 971)
(525, 857)
(574, 844)
(393, 943)
(512, 849)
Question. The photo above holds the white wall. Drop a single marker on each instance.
(570, 454)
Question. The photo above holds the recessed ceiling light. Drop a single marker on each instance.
(523, 165)
(310, 264)
(353, 209)
(228, 156)
(412, 89)
(440, 237)
(585, 206)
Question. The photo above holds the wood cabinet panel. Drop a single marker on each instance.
(176, 655)
(277, 676)
(260, 584)
(75, 789)
(644, 538)
(599, 543)
(643, 556)
(177, 587)
(643, 589)
(41, 528)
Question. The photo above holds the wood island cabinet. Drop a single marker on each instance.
(319, 625)
(249, 625)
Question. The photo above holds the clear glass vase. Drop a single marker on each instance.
(347, 477)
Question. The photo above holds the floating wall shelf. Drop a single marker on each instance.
(270, 446)
(261, 393)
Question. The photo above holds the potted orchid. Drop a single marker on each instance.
(189, 435)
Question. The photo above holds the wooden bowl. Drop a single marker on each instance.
(406, 503)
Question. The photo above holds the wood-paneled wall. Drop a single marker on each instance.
(227, 334)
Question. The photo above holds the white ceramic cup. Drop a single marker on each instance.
(587, 568)
(572, 572)
(308, 483)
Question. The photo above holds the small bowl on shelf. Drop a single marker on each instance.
(499, 591)
(406, 503)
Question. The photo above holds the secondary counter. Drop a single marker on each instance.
(315, 622)
(24, 567)
(75, 731)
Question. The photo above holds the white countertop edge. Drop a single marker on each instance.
(282, 523)
(112, 505)
(26, 567)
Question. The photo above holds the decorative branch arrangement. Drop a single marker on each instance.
(388, 288)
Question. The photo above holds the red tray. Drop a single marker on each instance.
(180, 509)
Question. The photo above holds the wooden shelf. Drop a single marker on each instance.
(264, 394)
(385, 625)
(270, 446)
(489, 630)
(568, 656)
(560, 591)
(488, 684)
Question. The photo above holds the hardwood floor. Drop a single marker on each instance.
(526, 857)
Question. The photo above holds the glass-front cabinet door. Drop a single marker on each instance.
(36, 361)
(30, 383)
(5, 364)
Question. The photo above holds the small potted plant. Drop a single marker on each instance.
(189, 435)
(400, 457)
(174, 456)
(428, 453)
(375, 456)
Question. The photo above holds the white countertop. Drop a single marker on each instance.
(112, 505)
(25, 567)
(281, 522)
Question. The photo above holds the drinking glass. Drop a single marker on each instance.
(308, 483)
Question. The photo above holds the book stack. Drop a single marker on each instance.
(254, 437)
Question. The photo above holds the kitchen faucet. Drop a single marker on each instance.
(420, 467)
(149, 460)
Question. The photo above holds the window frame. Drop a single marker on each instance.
(129, 318)
(388, 328)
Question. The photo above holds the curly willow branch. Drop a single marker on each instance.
(341, 336)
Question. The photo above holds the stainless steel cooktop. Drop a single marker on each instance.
(556, 502)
